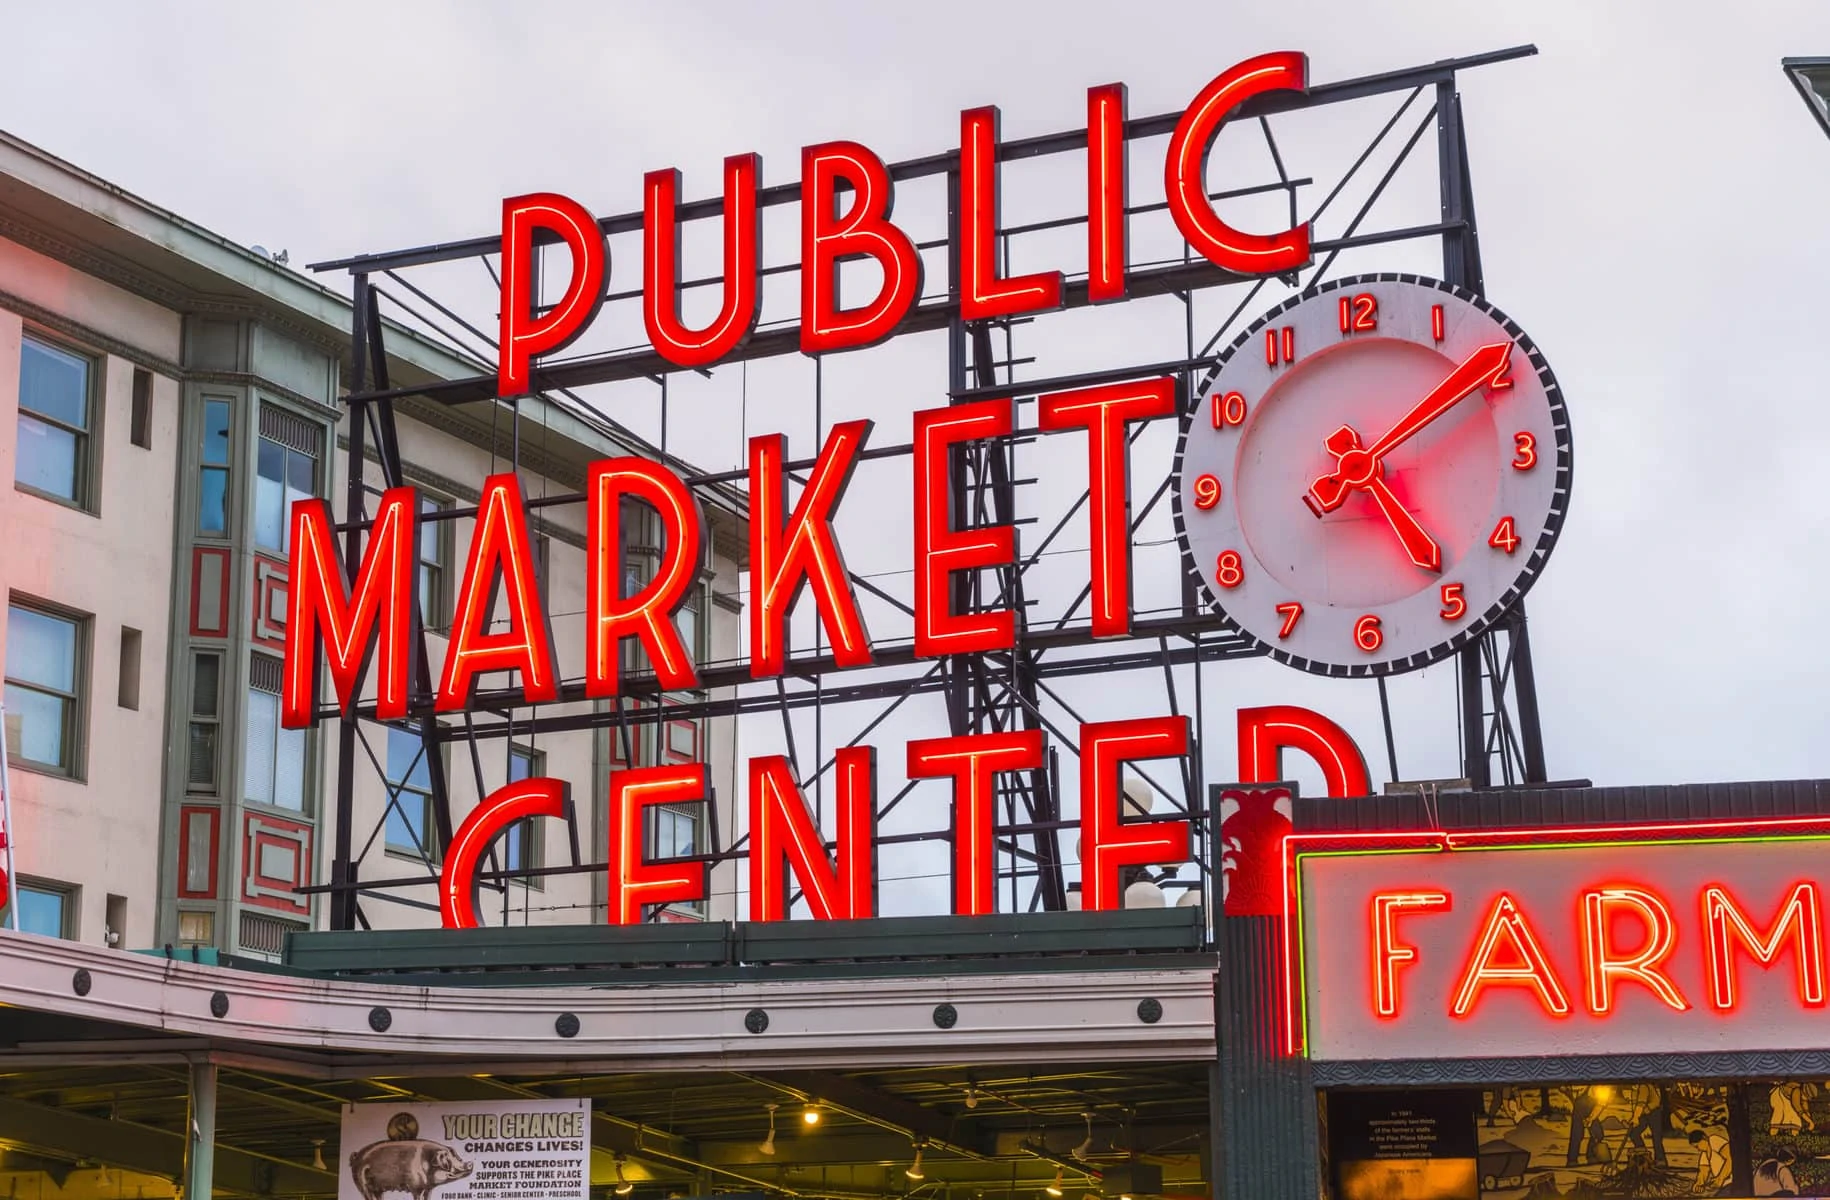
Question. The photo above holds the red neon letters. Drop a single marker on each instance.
(783, 835)
(1107, 193)
(634, 880)
(526, 333)
(1184, 170)
(803, 551)
(1800, 918)
(941, 550)
(1108, 843)
(1104, 412)
(610, 616)
(742, 266)
(972, 759)
(982, 294)
(1509, 954)
(864, 229)
(457, 883)
(1605, 965)
(500, 558)
(378, 611)
(1388, 952)
(1265, 733)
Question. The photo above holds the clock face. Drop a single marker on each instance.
(1378, 472)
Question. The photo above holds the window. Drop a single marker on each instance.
(409, 823)
(686, 620)
(542, 548)
(44, 682)
(196, 927)
(139, 427)
(213, 492)
(129, 691)
(674, 833)
(521, 844)
(52, 455)
(286, 470)
(274, 766)
(434, 538)
(206, 721)
(47, 909)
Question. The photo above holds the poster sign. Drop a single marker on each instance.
(485, 1150)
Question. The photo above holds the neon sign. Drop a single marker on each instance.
(1628, 940)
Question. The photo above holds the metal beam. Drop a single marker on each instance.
(151, 1151)
(866, 1103)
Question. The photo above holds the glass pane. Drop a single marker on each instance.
(520, 764)
(46, 457)
(40, 722)
(54, 383)
(270, 498)
(41, 912)
(301, 474)
(428, 595)
(201, 767)
(263, 722)
(289, 770)
(429, 531)
(41, 649)
(216, 432)
(687, 621)
(405, 762)
(204, 675)
(408, 832)
(212, 501)
(514, 847)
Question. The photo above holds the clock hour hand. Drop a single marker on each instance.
(1326, 494)
(1417, 542)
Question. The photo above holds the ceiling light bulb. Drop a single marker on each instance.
(972, 1096)
(811, 1114)
(1054, 1189)
(914, 1171)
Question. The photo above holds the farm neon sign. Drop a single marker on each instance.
(1639, 938)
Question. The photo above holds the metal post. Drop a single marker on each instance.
(200, 1145)
(6, 830)
(342, 869)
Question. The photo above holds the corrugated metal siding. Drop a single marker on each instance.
(1267, 1100)
(1524, 807)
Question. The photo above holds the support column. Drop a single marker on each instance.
(200, 1140)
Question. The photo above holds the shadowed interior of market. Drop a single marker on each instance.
(118, 1131)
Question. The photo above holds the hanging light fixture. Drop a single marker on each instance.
(914, 1170)
(811, 1114)
(623, 1185)
(1054, 1189)
(317, 1154)
(1085, 1148)
(972, 1095)
(768, 1146)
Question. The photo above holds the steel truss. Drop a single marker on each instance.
(981, 693)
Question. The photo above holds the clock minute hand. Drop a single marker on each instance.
(1485, 366)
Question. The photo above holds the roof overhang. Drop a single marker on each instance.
(1811, 76)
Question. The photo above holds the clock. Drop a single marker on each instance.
(1379, 471)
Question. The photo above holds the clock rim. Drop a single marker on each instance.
(1529, 570)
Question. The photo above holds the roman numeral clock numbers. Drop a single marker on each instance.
(1383, 405)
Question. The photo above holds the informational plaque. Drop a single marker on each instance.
(1411, 1145)
(487, 1150)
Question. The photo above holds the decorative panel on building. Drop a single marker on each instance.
(276, 860)
(197, 856)
(210, 576)
(269, 595)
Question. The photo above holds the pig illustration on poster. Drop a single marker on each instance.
(486, 1149)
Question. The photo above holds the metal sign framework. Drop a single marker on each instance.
(1501, 738)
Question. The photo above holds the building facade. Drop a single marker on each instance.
(175, 394)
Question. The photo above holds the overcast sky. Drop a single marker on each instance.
(1651, 195)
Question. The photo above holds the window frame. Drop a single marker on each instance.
(226, 468)
(319, 467)
(87, 498)
(695, 811)
(68, 894)
(76, 720)
(211, 720)
(533, 846)
(398, 791)
(435, 609)
(306, 807)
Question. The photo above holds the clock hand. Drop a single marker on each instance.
(1356, 467)
(1417, 542)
